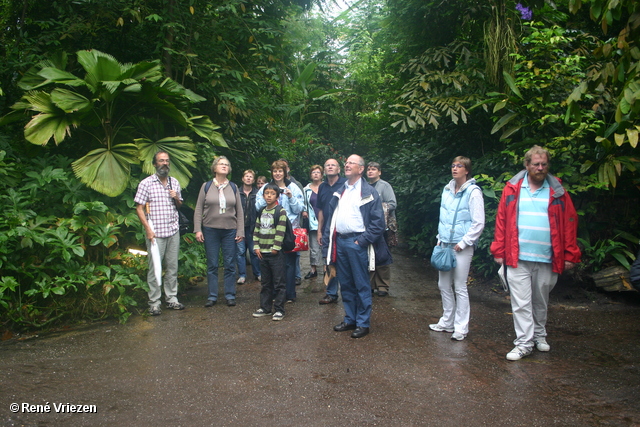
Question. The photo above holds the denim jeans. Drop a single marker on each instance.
(290, 259)
(353, 274)
(214, 240)
(243, 245)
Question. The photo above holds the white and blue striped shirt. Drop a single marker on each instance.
(534, 232)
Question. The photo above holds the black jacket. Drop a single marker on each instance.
(249, 206)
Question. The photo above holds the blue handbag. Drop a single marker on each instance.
(443, 257)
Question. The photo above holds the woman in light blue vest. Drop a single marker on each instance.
(463, 196)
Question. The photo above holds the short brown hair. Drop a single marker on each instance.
(279, 164)
(464, 161)
(251, 171)
(314, 167)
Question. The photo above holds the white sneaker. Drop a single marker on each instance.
(541, 344)
(518, 353)
(458, 336)
(241, 281)
(278, 315)
(261, 313)
(438, 328)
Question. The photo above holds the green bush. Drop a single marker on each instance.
(63, 248)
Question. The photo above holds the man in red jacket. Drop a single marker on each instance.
(535, 241)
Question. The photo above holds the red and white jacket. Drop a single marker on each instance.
(563, 221)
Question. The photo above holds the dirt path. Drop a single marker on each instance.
(200, 367)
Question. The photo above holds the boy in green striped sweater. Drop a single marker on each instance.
(267, 244)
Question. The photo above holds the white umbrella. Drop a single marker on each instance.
(155, 253)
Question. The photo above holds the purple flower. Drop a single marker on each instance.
(525, 12)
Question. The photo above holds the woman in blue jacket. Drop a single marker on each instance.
(310, 212)
(463, 196)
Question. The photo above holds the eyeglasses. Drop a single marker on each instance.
(352, 163)
(224, 164)
(457, 165)
(537, 165)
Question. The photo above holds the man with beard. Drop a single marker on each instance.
(535, 241)
(325, 192)
(159, 195)
(356, 228)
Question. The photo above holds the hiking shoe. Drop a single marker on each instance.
(457, 336)
(240, 281)
(261, 313)
(438, 328)
(518, 353)
(541, 344)
(155, 311)
(175, 306)
(278, 315)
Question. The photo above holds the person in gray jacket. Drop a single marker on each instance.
(381, 277)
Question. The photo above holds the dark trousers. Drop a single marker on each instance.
(273, 288)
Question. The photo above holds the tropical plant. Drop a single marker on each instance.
(113, 106)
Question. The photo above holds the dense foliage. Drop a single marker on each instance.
(408, 83)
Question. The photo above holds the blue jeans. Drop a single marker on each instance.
(290, 259)
(243, 245)
(214, 240)
(352, 268)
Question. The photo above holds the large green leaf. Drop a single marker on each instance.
(512, 84)
(70, 101)
(181, 151)
(60, 76)
(43, 127)
(52, 122)
(203, 126)
(107, 171)
(503, 121)
(176, 89)
(100, 67)
(148, 71)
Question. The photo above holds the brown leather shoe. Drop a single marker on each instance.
(328, 299)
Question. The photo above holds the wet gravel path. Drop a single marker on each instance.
(221, 366)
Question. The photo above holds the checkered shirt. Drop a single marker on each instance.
(162, 209)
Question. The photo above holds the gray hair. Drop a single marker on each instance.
(216, 160)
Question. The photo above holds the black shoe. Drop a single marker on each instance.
(328, 299)
(311, 274)
(210, 303)
(344, 327)
(360, 332)
(298, 281)
(231, 302)
(383, 293)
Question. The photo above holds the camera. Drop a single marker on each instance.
(282, 190)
